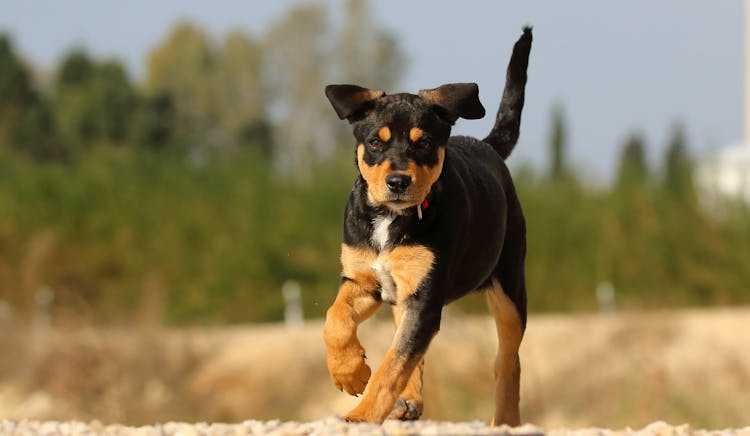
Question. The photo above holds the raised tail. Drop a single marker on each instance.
(504, 134)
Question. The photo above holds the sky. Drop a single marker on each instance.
(614, 67)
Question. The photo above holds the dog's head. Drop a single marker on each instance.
(401, 138)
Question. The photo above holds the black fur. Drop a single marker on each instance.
(472, 222)
(504, 134)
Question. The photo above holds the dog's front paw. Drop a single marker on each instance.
(364, 413)
(348, 370)
(406, 409)
(354, 417)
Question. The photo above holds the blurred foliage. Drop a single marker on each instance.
(93, 101)
(118, 229)
(558, 167)
(193, 196)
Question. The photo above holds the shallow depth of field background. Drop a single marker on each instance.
(151, 215)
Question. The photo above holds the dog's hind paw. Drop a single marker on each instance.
(406, 410)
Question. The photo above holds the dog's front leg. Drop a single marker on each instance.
(409, 345)
(354, 303)
(420, 313)
(409, 405)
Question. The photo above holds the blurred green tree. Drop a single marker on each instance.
(16, 90)
(633, 169)
(215, 89)
(366, 55)
(239, 89)
(558, 143)
(180, 67)
(26, 121)
(678, 168)
(154, 121)
(297, 56)
(113, 101)
(94, 102)
(72, 108)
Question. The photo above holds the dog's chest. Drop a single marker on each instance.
(381, 234)
(381, 227)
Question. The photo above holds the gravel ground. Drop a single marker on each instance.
(334, 426)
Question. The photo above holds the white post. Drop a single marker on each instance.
(605, 296)
(43, 299)
(292, 292)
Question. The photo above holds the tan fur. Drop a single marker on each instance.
(387, 383)
(415, 134)
(507, 364)
(354, 303)
(409, 265)
(384, 134)
(397, 375)
(368, 95)
(433, 95)
(356, 264)
(375, 176)
(423, 177)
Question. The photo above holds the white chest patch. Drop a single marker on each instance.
(380, 228)
(387, 285)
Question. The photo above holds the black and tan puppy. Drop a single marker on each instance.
(430, 218)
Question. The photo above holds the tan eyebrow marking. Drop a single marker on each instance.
(415, 133)
(384, 133)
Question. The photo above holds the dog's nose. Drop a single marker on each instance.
(398, 182)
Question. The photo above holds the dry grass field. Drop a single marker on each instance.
(608, 370)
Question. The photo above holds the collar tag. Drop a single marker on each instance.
(424, 205)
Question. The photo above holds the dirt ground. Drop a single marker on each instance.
(599, 370)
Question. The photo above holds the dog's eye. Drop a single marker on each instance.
(376, 144)
(424, 144)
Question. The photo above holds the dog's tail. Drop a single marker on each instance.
(504, 134)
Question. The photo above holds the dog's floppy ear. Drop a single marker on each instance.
(458, 99)
(351, 100)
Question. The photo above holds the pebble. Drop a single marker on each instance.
(334, 426)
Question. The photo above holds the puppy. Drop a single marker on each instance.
(431, 217)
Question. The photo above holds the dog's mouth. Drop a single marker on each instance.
(400, 203)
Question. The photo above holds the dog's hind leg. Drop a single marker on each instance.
(410, 404)
(507, 301)
(507, 364)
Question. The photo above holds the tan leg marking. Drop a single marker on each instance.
(387, 383)
(354, 303)
(507, 364)
(410, 403)
(409, 266)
